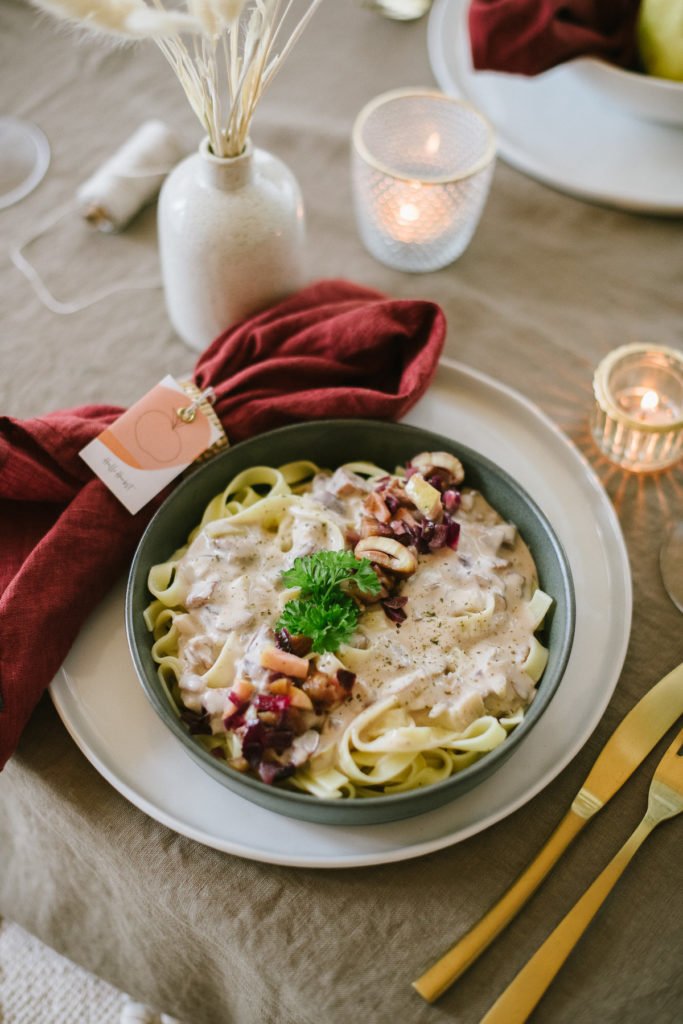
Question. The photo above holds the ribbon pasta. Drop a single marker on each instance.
(389, 739)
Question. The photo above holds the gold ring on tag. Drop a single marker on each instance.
(207, 397)
(188, 413)
(203, 400)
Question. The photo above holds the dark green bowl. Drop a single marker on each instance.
(330, 443)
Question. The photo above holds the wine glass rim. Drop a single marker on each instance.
(387, 97)
(41, 162)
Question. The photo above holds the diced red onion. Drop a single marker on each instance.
(453, 534)
(439, 537)
(426, 533)
(451, 500)
(435, 481)
(392, 503)
(234, 722)
(253, 743)
(273, 772)
(272, 702)
(402, 533)
(396, 615)
(197, 722)
(283, 639)
(279, 739)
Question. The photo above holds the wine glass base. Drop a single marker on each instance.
(24, 159)
(671, 563)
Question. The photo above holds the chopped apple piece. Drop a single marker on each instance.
(424, 496)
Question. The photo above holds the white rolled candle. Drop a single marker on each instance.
(130, 178)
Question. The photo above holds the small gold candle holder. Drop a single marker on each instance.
(637, 421)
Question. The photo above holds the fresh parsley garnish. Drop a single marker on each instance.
(327, 625)
(324, 610)
(319, 574)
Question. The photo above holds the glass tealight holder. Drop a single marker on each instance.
(422, 165)
(637, 420)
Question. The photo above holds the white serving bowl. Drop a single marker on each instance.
(644, 96)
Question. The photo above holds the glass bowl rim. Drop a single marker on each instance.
(374, 104)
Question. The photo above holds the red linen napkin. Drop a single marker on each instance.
(526, 37)
(332, 350)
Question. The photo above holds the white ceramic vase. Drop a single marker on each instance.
(231, 239)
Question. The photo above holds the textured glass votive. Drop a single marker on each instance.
(422, 165)
(637, 421)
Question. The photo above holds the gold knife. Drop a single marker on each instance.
(627, 747)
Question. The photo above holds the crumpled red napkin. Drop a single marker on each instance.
(332, 350)
(526, 37)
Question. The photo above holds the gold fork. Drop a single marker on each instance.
(665, 800)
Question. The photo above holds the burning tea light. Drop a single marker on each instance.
(638, 416)
(422, 168)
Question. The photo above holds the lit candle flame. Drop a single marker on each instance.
(649, 401)
(409, 213)
(433, 144)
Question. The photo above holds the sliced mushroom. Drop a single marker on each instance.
(404, 516)
(323, 689)
(371, 527)
(388, 553)
(425, 462)
(375, 506)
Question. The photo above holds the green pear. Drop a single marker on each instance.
(660, 38)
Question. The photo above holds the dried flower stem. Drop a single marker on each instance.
(232, 49)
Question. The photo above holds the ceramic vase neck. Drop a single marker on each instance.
(226, 173)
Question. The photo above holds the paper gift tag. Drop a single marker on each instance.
(153, 442)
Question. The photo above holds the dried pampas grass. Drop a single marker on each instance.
(131, 19)
(225, 53)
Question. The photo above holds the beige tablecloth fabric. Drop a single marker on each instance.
(548, 285)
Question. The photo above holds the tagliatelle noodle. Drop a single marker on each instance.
(386, 747)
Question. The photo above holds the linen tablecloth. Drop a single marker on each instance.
(548, 285)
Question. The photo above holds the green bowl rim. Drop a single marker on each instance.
(486, 764)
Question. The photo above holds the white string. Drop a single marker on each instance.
(43, 292)
(116, 192)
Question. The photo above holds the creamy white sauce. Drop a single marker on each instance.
(457, 656)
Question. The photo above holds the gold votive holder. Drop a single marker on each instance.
(637, 420)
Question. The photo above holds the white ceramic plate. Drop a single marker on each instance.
(561, 129)
(104, 708)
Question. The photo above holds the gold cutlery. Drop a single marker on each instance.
(665, 800)
(627, 747)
